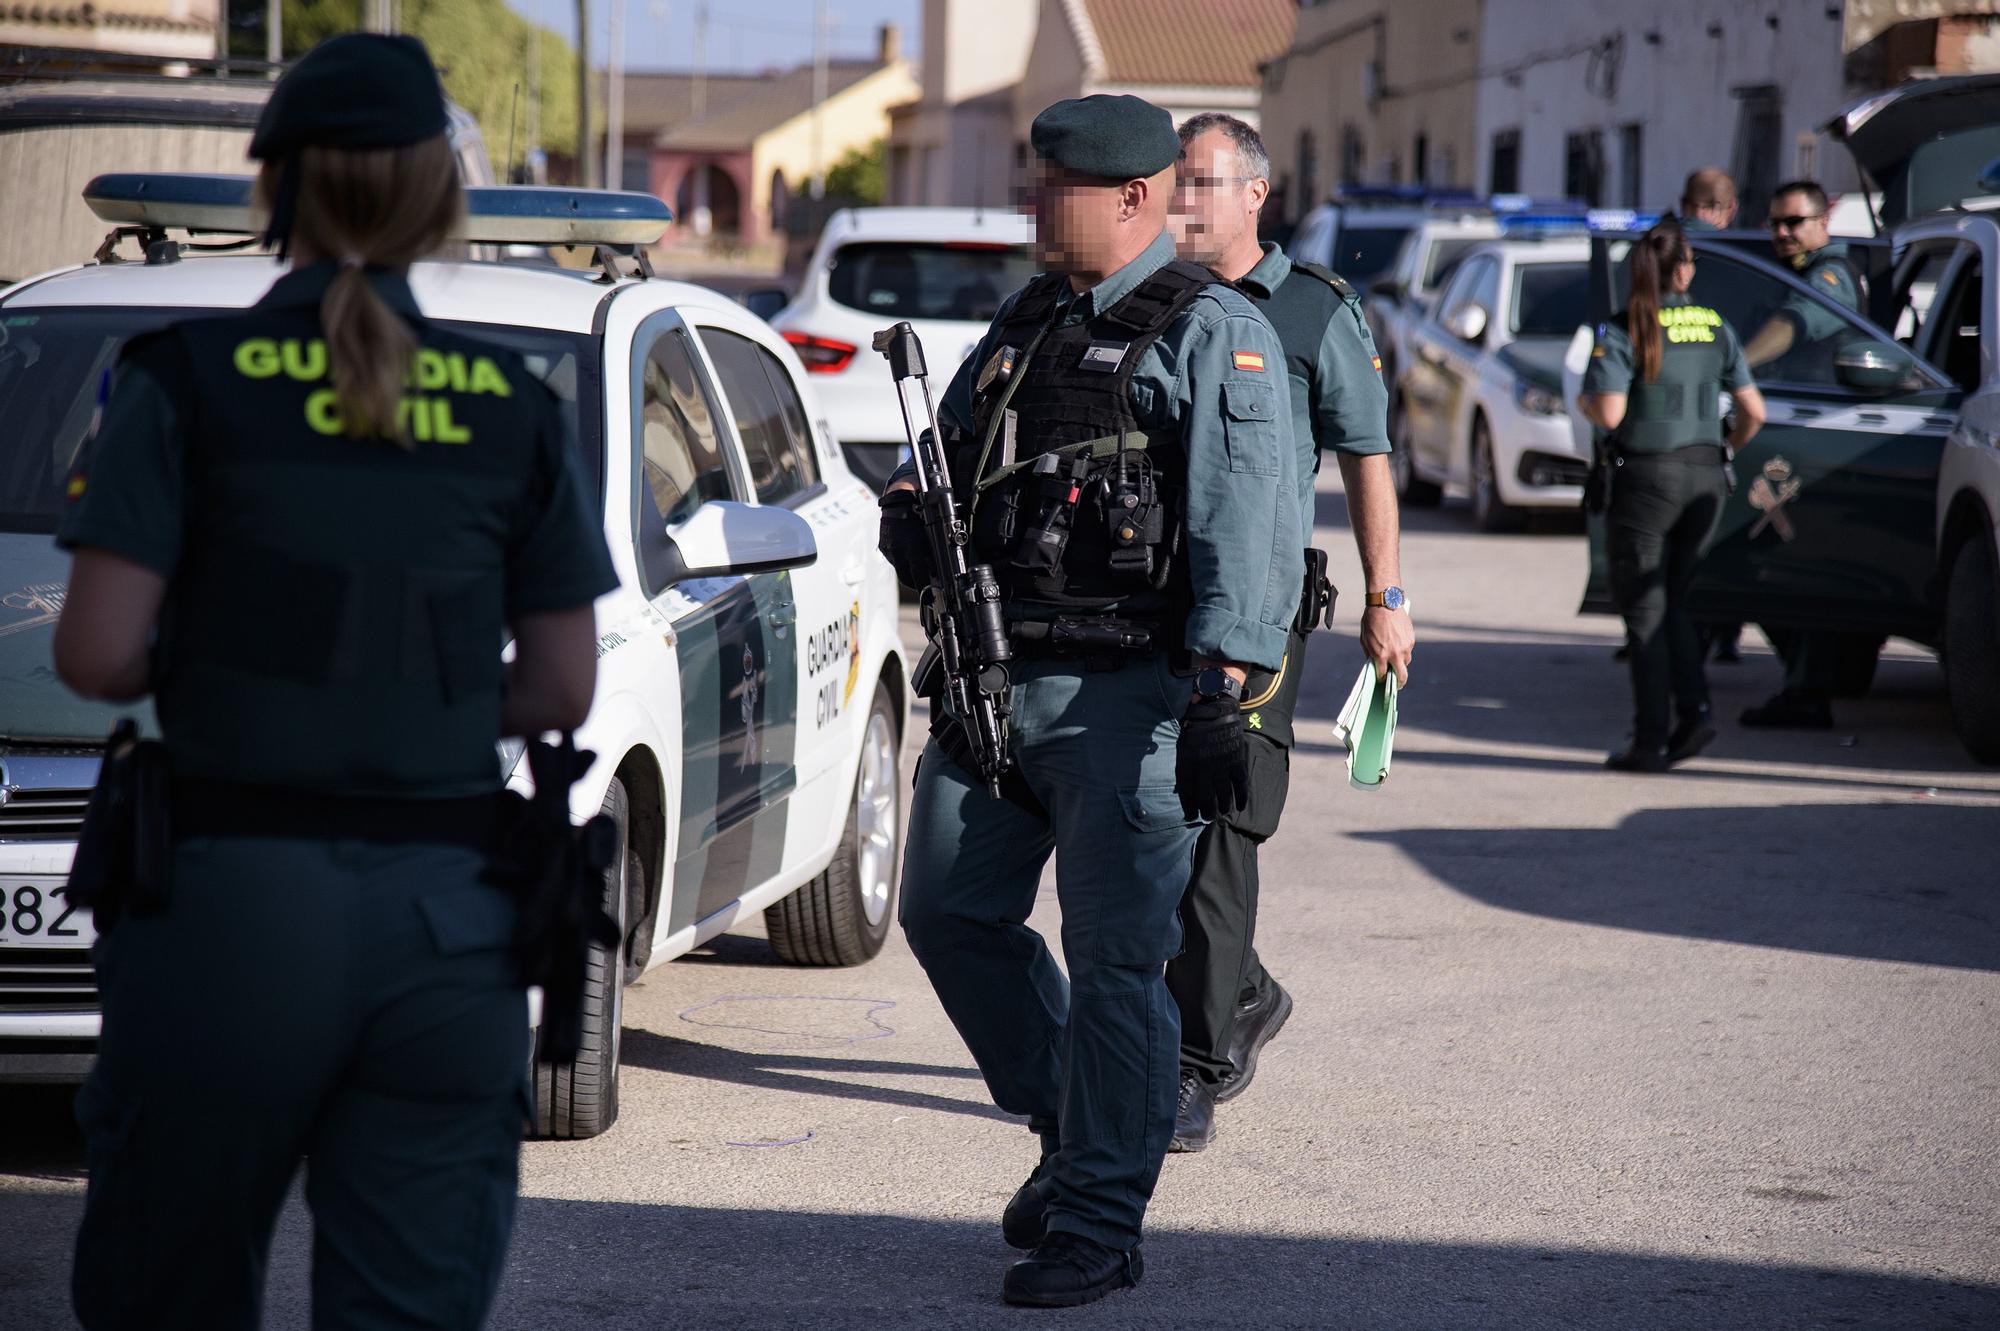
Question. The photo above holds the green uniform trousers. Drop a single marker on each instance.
(1218, 970)
(352, 1004)
(1663, 508)
(1091, 1062)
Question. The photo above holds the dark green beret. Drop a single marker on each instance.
(1117, 138)
(358, 90)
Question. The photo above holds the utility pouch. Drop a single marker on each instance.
(1135, 519)
(1317, 597)
(1050, 498)
(124, 850)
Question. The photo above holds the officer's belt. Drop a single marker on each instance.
(205, 808)
(1104, 642)
(1133, 441)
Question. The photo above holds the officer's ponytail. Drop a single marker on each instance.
(374, 209)
(1654, 255)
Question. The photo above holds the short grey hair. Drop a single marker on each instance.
(1242, 135)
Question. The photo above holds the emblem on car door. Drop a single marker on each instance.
(752, 748)
(1769, 494)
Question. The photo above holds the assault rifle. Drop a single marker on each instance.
(960, 609)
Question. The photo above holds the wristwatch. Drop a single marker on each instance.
(1389, 598)
(1215, 682)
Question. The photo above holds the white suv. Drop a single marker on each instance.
(751, 688)
(946, 270)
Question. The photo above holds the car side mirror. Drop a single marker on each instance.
(1872, 367)
(726, 539)
(765, 302)
(1469, 324)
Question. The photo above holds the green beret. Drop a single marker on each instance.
(358, 90)
(1116, 138)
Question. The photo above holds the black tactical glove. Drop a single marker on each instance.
(1212, 760)
(903, 541)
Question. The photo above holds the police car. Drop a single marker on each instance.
(1479, 398)
(751, 691)
(946, 270)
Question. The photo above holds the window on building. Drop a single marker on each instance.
(635, 169)
(1754, 161)
(1420, 160)
(1583, 166)
(1503, 162)
(1353, 156)
(1631, 163)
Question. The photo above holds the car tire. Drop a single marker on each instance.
(843, 916)
(1413, 490)
(1490, 513)
(579, 1099)
(1972, 647)
(1854, 665)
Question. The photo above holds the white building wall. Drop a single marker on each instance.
(1669, 76)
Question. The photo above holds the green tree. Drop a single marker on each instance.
(482, 48)
(861, 174)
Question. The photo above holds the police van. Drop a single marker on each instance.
(751, 691)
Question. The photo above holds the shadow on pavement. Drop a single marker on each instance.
(787, 1072)
(1907, 882)
(1453, 518)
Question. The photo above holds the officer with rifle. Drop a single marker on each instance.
(1124, 488)
(308, 946)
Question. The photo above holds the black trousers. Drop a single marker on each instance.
(1663, 508)
(1218, 969)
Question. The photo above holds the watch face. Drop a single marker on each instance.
(1393, 598)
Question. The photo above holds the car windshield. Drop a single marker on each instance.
(1361, 253)
(1551, 299)
(1444, 254)
(925, 280)
(52, 361)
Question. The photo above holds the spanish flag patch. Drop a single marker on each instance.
(1250, 360)
(1378, 364)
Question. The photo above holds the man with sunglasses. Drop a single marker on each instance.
(1800, 237)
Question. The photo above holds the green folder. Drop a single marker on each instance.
(1367, 726)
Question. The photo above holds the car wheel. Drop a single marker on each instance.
(1854, 665)
(579, 1099)
(1412, 489)
(842, 917)
(1489, 511)
(1972, 648)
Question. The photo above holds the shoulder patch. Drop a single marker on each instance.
(1248, 360)
(1831, 277)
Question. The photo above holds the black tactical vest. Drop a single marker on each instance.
(1682, 404)
(1075, 501)
(337, 617)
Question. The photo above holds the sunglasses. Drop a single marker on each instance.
(1794, 222)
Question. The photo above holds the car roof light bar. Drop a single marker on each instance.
(494, 214)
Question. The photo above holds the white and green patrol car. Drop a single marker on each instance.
(751, 691)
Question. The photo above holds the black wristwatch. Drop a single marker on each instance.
(1212, 682)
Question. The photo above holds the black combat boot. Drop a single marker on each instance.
(1639, 756)
(1257, 1024)
(1790, 710)
(1068, 1269)
(1695, 732)
(1025, 1222)
(1194, 1118)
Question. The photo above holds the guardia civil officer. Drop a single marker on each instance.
(1230, 1006)
(1656, 373)
(1800, 238)
(330, 576)
(1122, 436)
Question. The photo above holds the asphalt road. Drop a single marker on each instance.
(1712, 1050)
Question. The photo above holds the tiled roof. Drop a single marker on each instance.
(665, 100)
(1180, 43)
(90, 15)
(761, 105)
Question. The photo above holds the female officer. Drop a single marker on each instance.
(306, 529)
(1656, 377)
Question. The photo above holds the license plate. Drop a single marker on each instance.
(35, 912)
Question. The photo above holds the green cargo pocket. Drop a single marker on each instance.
(1153, 808)
(1248, 412)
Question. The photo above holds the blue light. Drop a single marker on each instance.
(1543, 224)
(1621, 219)
(494, 214)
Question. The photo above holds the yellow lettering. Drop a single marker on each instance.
(323, 411)
(486, 378)
(443, 428)
(431, 372)
(457, 373)
(305, 362)
(257, 358)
